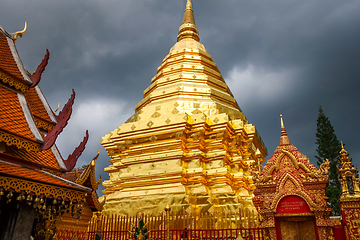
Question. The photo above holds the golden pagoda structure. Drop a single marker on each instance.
(188, 144)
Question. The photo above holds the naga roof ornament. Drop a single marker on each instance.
(36, 77)
(62, 120)
(70, 162)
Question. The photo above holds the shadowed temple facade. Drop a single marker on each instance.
(188, 144)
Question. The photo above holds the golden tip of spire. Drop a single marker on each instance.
(284, 140)
(188, 4)
(20, 33)
(282, 121)
(342, 145)
(188, 29)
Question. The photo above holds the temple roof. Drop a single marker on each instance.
(11, 62)
(18, 171)
(85, 176)
(287, 159)
(28, 126)
(15, 116)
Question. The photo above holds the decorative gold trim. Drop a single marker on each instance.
(12, 82)
(43, 124)
(95, 199)
(89, 172)
(39, 188)
(10, 140)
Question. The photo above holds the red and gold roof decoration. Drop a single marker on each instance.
(19, 178)
(17, 126)
(25, 115)
(289, 173)
(86, 177)
(8, 64)
(12, 118)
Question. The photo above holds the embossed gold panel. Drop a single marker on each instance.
(297, 230)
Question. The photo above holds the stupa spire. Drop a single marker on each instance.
(284, 140)
(188, 29)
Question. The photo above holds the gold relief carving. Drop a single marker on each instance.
(352, 217)
(216, 120)
(133, 127)
(10, 140)
(12, 82)
(156, 115)
(44, 125)
(176, 104)
(167, 121)
(157, 108)
(153, 138)
(303, 230)
(196, 111)
(38, 189)
(289, 186)
(149, 124)
(175, 111)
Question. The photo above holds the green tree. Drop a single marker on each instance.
(328, 148)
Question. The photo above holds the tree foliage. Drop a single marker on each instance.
(328, 148)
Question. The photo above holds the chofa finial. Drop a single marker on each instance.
(20, 33)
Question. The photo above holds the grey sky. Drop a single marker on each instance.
(277, 56)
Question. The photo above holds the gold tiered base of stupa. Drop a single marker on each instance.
(188, 145)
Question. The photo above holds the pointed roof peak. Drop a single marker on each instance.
(188, 29)
(343, 152)
(188, 13)
(284, 140)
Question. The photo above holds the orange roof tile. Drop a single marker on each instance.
(12, 118)
(44, 158)
(36, 106)
(7, 62)
(71, 176)
(35, 175)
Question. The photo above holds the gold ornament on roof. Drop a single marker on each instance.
(349, 182)
(20, 33)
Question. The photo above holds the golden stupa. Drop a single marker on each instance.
(188, 144)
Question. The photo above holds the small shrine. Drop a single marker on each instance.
(290, 195)
(350, 197)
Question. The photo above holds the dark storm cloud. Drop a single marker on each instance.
(284, 57)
